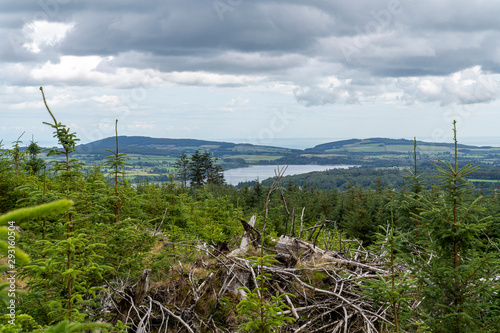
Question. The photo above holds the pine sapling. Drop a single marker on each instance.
(117, 163)
(456, 279)
(262, 316)
(394, 290)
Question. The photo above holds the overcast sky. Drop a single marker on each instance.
(251, 70)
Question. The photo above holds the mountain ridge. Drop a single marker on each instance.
(175, 144)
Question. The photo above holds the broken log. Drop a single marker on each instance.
(251, 236)
(132, 297)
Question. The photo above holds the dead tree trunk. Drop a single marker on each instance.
(251, 236)
(128, 306)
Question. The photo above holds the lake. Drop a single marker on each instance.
(261, 172)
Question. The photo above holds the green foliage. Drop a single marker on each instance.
(109, 230)
(262, 315)
(127, 245)
(69, 166)
(212, 219)
(7, 247)
(71, 269)
(456, 279)
(395, 290)
(22, 323)
(68, 327)
(40, 210)
(34, 164)
(203, 169)
(116, 162)
(26, 323)
(182, 166)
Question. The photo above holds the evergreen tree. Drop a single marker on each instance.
(456, 278)
(7, 182)
(197, 169)
(67, 262)
(34, 164)
(182, 165)
(214, 172)
(117, 163)
(203, 170)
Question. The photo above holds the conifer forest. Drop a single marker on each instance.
(84, 248)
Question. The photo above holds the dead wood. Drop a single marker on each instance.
(131, 297)
(251, 236)
(325, 285)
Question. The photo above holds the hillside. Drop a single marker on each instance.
(383, 152)
(157, 156)
(386, 145)
(174, 147)
(353, 149)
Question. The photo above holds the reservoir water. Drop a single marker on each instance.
(261, 172)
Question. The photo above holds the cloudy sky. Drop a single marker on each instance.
(258, 71)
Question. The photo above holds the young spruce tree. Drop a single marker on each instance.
(457, 278)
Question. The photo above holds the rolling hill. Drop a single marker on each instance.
(372, 152)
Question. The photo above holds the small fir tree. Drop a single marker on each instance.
(456, 280)
(261, 315)
(182, 166)
(116, 163)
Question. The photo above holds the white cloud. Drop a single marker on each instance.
(203, 78)
(42, 34)
(85, 70)
(469, 86)
(330, 90)
(108, 100)
(69, 68)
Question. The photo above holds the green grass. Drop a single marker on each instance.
(368, 148)
(484, 180)
(132, 173)
(434, 149)
(259, 149)
(254, 158)
(400, 148)
(487, 150)
(151, 158)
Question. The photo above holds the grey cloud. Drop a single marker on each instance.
(193, 28)
(301, 42)
(228, 62)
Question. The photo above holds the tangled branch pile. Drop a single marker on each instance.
(202, 297)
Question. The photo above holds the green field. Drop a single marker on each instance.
(255, 158)
(484, 180)
(261, 149)
(151, 158)
(368, 148)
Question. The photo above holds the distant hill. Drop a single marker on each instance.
(384, 144)
(144, 142)
(372, 152)
(173, 147)
(382, 157)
